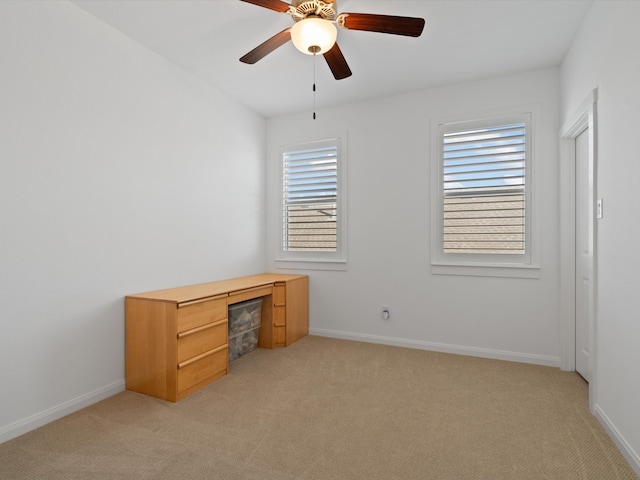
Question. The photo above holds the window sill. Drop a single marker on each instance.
(311, 264)
(487, 270)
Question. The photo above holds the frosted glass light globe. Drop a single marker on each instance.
(314, 36)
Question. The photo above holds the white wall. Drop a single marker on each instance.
(389, 221)
(119, 173)
(604, 56)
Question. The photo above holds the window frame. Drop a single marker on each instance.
(484, 264)
(327, 260)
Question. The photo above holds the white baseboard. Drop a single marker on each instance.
(47, 416)
(441, 347)
(629, 454)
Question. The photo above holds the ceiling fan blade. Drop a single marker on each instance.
(267, 47)
(337, 63)
(276, 5)
(409, 26)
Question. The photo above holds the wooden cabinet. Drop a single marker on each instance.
(173, 348)
(177, 339)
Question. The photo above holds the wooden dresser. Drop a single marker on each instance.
(176, 339)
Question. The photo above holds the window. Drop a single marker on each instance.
(313, 202)
(482, 193)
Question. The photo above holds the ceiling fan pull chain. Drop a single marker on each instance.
(314, 86)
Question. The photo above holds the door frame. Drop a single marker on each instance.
(583, 118)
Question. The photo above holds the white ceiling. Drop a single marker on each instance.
(462, 40)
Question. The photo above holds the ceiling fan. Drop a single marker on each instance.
(314, 32)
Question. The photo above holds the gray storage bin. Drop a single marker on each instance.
(244, 342)
(244, 316)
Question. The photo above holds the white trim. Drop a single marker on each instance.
(501, 270)
(567, 254)
(318, 264)
(629, 454)
(584, 117)
(54, 413)
(545, 360)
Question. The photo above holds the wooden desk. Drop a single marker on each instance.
(176, 339)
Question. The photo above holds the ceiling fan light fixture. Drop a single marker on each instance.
(314, 35)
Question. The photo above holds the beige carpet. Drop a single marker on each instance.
(333, 409)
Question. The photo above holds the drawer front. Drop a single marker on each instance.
(279, 294)
(202, 369)
(249, 293)
(192, 315)
(279, 336)
(201, 339)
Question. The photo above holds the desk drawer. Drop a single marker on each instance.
(279, 335)
(195, 314)
(201, 339)
(249, 293)
(209, 364)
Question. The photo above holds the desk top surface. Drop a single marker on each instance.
(212, 289)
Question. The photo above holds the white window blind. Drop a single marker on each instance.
(483, 187)
(310, 199)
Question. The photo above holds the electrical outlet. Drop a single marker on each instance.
(386, 312)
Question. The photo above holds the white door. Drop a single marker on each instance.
(584, 253)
